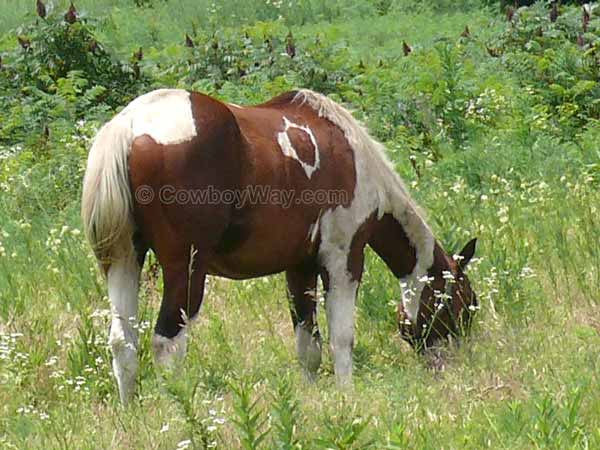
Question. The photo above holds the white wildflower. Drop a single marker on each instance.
(182, 445)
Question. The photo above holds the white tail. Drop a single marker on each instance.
(106, 204)
(106, 207)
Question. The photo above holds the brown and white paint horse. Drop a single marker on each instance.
(297, 142)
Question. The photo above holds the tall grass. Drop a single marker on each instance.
(159, 18)
(525, 379)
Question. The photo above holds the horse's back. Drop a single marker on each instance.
(301, 149)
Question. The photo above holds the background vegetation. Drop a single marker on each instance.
(492, 117)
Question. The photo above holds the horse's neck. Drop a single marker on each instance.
(391, 243)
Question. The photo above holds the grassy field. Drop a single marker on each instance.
(498, 155)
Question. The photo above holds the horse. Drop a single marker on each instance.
(178, 172)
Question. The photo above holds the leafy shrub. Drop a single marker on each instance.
(258, 56)
(557, 63)
(59, 71)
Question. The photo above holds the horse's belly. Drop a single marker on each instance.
(233, 269)
(270, 243)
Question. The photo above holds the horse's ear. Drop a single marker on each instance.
(467, 253)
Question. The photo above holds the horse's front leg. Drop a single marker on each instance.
(182, 297)
(302, 285)
(342, 275)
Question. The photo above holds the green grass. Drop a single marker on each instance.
(166, 21)
(527, 378)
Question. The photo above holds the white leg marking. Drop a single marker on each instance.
(169, 351)
(123, 285)
(340, 303)
(288, 149)
(308, 348)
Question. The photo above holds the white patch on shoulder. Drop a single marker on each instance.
(288, 149)
(236, 106)
(165, 115)
(378, 189)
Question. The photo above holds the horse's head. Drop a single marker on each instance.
(447, 302)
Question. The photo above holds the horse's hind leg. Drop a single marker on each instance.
(302, 284)
(182, 297)
(123, 286)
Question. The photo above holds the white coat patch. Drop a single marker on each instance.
(165, 115)
(288, 149)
